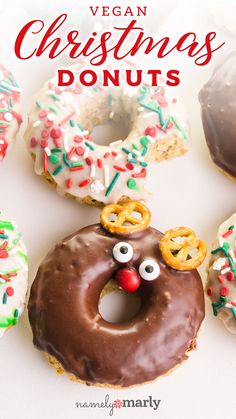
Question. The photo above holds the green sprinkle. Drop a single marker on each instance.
(16, 239)
(143, 164)
(4, 236)
(72, 123)
(89, 145)
(144, 152)
(38, 104)
(53, 108)
(4, 110)
(144, 141)
(4, 299)
(22, 256)
(11, 102)
(77, 164)
(112, 184)
(54, 159)
(132, 161)
(56, 150)
(126, 150)
(110, 99)
(66, 161)
(57, 170)
(80, 127)
(136, 147)
(178, 126)
(231, 227)
(131, 183)
(55, 97)
(233, 311)
(16, 313)
(5, 123)
(6, 225)
(7, 321)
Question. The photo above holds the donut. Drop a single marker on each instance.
(218, 106)
(58, 136)
(10, 118)
(63, 304)
(222, 274)
(13, 274)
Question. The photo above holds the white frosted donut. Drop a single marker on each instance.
(222, 274)
(10, 118)
(58, 137)
(13, 274)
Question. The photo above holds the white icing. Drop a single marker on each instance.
(12, 306)
(219, 275)
(95, 106)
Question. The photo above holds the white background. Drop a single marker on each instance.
(188, 191)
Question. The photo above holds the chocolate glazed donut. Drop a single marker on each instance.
(66, 324)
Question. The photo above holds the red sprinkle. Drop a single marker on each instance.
(71, 152)
(129, 166)
(89, 161)
(233, 303)
(42, 114)
(230, 276)
(226, 265)
(5, 277)
(48, 124)
(33, 142)
(227, 233)
(221, 279)
(99, 163)
(84, 183)
(45, 162)
(69, 183)
(210, 291)
(80, 151)
(235, 252)
(76, 168)
(10, 291)
(12, 274)
(78, 138)
(114, 153)
(55, 133)
(45, 133)
(151, 130)
(106, 155)
(224, 291)
(44, 143)
(143, 173)
(120, 169)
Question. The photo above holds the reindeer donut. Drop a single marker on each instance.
(63, 304)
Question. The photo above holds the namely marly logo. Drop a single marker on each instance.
(113, 405)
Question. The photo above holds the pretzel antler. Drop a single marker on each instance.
(125, 222)
(177, 254)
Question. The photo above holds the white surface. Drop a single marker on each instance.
(188, 191)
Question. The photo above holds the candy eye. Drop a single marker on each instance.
(149, 270)
(123, 252)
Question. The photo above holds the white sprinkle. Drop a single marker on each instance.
(52, 116)
(13, 88)
(221, 241)
(8, 116)
(218, 264)
(74, 158)
(141, 159)
(93, 170)
(106, 175)
(118, 157)
(148, 114)
(36, 123)
(111, 114)
(47, 151)
(224, 271)
(228, 305)
(84, 133)
(151, 139)
(138, 153)
(2, 141)
(65, 141)
(130, 156)
(86, 153)
(4, 103)
(116, 142)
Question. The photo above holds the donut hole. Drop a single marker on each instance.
(117, 306)
(110, 131)
(109, 117)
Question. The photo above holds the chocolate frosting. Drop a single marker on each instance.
(218, 102)
(64, 316)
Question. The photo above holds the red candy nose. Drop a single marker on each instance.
(128, 279)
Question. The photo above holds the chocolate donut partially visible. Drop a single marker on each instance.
(218, 102)
(66, 324)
